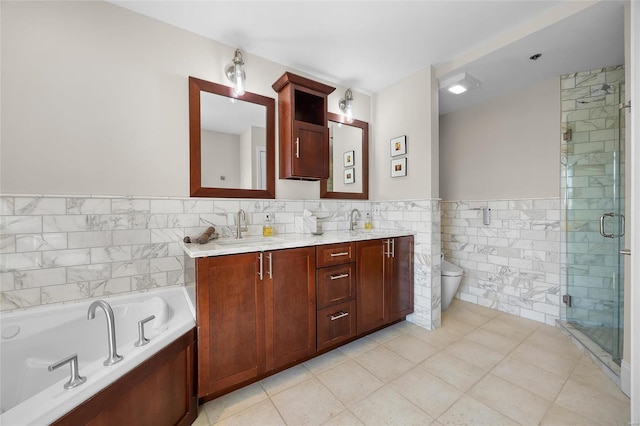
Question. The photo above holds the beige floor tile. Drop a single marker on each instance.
(408, 327)
(428, 392)
(346, 418)
(491, 340)
(553, 359)
(307, 403)
(546, 336)
(532, 378)
(453, 370)
(411, 348)
(285, 379)
(385, 334)
(559, 416)
(469, 411)
(383, 363)
(234, 402)
(202, 419)
(387, 407)
(588, 374)
(594, 404)
(513, 401)
(350, 382)
(263, 413)
(326, 361)
(358, 347)
(520, 323)
(461, 313)
(439, 338)
(455, 326)
(479, 309)
(475, 354)
(506, 326)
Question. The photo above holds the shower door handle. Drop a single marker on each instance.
(610, 214)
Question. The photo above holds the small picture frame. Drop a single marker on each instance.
(349, 159)
(399, 167)
(349, 175)
(398, 146)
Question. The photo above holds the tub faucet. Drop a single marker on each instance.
(111, 329)
(353, 222)
(239, 228)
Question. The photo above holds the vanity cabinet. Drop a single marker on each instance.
(336, 293)
(256, 312)
(303, 131)
(385, 281)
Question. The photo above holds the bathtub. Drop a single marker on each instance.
(33, 339)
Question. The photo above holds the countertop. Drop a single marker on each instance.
(255, 243)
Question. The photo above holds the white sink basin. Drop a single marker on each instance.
(251, 239)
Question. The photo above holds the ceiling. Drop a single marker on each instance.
(369, 45)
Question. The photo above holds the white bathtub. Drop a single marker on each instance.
(32, 340)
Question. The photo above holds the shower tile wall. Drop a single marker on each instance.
(590, 110)
(58, 249)
(513, 264)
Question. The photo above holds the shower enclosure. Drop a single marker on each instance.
(593, 205)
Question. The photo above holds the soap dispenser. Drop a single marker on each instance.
(267, 230)
(367, 221)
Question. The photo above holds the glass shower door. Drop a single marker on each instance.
(594, 206)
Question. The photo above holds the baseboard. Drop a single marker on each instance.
(625, 377)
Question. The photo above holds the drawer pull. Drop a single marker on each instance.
(337, 277)
(342, 253)
(339, 315)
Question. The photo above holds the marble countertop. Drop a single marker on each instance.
(255, 243)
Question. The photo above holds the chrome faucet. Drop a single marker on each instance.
(111, 329)
(239, 228)
(353, 222)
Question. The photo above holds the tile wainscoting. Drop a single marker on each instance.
(56, 249)
(513, 264)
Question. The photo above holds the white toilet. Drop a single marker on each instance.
(450, 280)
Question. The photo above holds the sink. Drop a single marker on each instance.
(250, 239)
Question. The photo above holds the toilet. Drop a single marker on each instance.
(451, 277)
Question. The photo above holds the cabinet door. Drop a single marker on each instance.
(400, 288)
(290, 305)
(230, 320)
(310, 146)
(370, 279)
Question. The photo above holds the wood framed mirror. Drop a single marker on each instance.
(349, 160)
(231, 142)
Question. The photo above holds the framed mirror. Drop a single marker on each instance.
(349, 160)
(231, 142)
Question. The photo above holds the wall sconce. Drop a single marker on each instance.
(459, 83)
(235, 73)
(345, 105)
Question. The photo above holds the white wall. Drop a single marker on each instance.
(506, 148)
(220, 153)
(95, 100)
(405, 108)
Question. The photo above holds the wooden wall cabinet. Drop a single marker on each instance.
(256, 312)
(302, 127)
(385, 281)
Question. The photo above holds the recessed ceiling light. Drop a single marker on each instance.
(535, 57)
(459, 83)
(457, 89)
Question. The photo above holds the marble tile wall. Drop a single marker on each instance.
(591, 157)
(513, 264)
(56, 249)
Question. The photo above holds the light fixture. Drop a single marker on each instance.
(235, 73)
(346, 105)
(459, 83)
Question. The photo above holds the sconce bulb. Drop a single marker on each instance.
(345, 105)
(235, 73)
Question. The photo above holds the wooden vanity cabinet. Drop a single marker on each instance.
(302, 126)
(256, 312)
(336, 293)
(385, 281)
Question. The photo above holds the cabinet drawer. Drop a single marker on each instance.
(335, 254)
(336, 284)
(336, 324)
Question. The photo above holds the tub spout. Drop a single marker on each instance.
(111, 329)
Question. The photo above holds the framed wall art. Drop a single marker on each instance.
(349, 159)
(349, 176)
(398, 146)
(399, 167)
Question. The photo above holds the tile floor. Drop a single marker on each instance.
(482, 367)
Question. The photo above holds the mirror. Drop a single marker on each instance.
(349, 159)
(232, 142)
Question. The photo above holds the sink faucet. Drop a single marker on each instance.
(111, 329)
(353, 222)
(239, 228)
